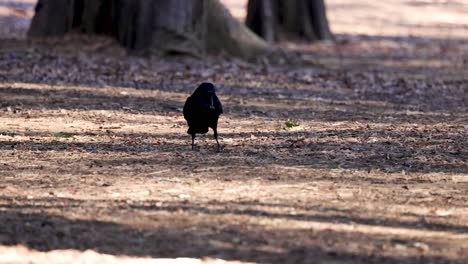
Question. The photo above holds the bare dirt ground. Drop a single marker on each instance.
(358, 160)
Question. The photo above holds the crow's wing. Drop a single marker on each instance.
(188, 108)
(217, 104)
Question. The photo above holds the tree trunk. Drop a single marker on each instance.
(278, 20)
(170, 26)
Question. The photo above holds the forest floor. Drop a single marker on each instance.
(359, 158)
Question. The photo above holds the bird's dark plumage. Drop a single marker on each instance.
(202, 110)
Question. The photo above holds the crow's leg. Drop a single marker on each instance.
(193, 141)
(216, 137)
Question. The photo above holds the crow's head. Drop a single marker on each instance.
(205, 88)
(206, 92)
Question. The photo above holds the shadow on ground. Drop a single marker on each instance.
(170, 237)
(412, 150)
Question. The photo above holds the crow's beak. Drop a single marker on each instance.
(211, 103)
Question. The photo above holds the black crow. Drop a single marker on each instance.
(202, 110)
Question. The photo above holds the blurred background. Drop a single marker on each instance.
(422, 18)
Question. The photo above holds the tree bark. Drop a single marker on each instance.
(279, 20)
(169, 26)
(52, 18)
